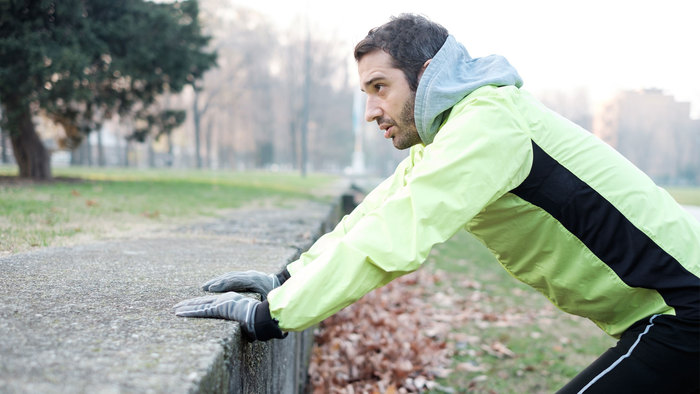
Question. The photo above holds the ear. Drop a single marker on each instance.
(422, 69)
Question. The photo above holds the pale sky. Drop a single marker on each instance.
(602, 45)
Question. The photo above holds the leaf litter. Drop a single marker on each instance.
(401, 338)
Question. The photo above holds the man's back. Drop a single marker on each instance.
(585, 227)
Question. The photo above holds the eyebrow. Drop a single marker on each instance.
(370, 82)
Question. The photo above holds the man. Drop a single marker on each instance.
(561, 210)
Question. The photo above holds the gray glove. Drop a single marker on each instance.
(231, 306)
(248, 281)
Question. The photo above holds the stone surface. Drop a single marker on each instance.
(98, 317)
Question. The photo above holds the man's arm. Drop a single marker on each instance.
(371, 202)
(482, 152)
(253, 315)
(262, 283)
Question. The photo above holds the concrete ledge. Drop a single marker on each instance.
(97, 318)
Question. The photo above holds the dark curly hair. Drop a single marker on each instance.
(410, 40)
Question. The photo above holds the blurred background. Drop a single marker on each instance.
(272, 85)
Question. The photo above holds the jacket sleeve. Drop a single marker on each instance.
(480, 153)
(371, 202)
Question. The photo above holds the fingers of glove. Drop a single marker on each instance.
(228, 279)
(237, 281)
(209, 306)
(235, 284)
(204, 310)
(194, 309)
(196, 301)
(219, 281)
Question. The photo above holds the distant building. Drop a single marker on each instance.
(655, 132)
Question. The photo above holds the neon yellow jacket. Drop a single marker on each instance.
(561, 210)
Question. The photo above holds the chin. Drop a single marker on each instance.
(401, 146)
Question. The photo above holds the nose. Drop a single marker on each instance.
(372, 109)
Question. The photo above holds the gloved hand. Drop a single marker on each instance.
(231, 306)
(248, 281)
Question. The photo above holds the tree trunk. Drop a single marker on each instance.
(295, 140)
(196, 115)
(4, 147)
(207, 140)
(129, 125)
(305, 106)
(150, 153)
(30, 154)
(171, 157)
(100, 149)
(88, 151)
(127, 150)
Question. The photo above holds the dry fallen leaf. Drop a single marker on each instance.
(151, 214)
(400, 338)
(391, 341)
(469, 367)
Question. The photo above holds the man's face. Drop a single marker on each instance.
(390, 100)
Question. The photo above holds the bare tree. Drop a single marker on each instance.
(251, 108)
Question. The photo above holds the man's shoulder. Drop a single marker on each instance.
(492, 91)
(487, 99)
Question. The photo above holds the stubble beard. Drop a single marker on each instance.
(408, 135)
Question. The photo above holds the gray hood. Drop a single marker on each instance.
(451, 75)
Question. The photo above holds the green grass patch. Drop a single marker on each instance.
(549, 347)
(87, 202)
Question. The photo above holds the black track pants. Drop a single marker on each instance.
(660, 354)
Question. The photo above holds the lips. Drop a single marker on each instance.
(387, 129)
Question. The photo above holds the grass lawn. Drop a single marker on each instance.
(86, 203)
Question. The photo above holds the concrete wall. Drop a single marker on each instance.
(278, 366)
(97, 318)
